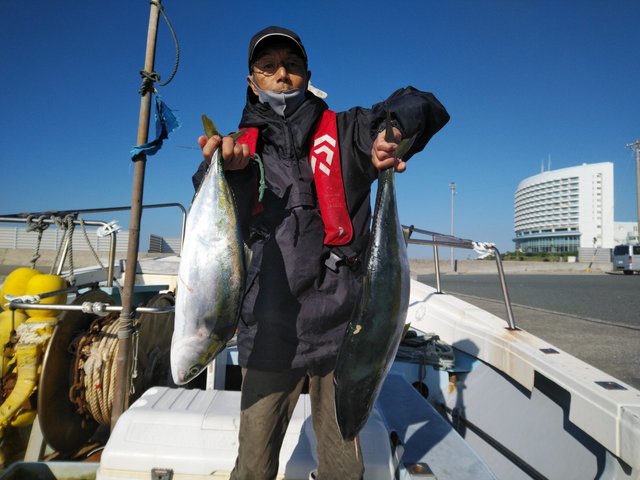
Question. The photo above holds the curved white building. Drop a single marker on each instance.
(565, 210)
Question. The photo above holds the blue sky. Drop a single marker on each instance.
(524, 82)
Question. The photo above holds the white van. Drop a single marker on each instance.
(627, 258)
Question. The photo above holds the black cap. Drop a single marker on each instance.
(271, 33)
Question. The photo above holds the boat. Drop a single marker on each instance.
(469, 396)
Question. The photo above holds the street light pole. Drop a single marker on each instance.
(636, 146)
(452, 187)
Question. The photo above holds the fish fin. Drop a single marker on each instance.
(238, 134)
(404, 146)
(210, 129)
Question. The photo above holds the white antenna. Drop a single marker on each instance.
(549, 162)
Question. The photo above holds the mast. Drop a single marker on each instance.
(125, 330)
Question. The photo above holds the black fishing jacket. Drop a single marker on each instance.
(296, 307)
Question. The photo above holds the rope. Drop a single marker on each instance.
(38, 226)
(262, 185)
(94, 370)
(60, 226)
(149, 78)
(134, 362)
(66, 224)
(427, 350)
(7, 356)
(100, 375)
(70, 228)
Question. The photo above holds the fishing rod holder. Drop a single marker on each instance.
(482, 248)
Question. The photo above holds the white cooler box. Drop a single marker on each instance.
(179, 434)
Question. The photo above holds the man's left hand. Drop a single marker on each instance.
(383, 153)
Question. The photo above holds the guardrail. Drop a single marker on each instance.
(54, 217)
(439, 239)
(436, 240)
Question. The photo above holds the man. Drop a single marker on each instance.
(302, 285)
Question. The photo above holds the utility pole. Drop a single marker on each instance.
(636, 147)
(452, 187)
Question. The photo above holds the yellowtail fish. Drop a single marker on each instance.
(376, 326)
(211, 274)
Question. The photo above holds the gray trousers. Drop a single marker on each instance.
(268, 401)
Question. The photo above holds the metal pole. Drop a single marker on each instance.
(125, 331)
(505, 291)
(112, 258)
(63, 256)
(452, 187)
(636, 146)
(436, 259)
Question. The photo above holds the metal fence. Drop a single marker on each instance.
(595, 255)
(158, 244)
(52, 238)
(20, 238)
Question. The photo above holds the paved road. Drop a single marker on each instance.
(612, 298)
(594, 317)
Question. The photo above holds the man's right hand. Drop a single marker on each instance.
(236, 156)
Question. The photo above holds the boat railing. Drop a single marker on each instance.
(54, 217)
(439, 239)
(436, 239)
